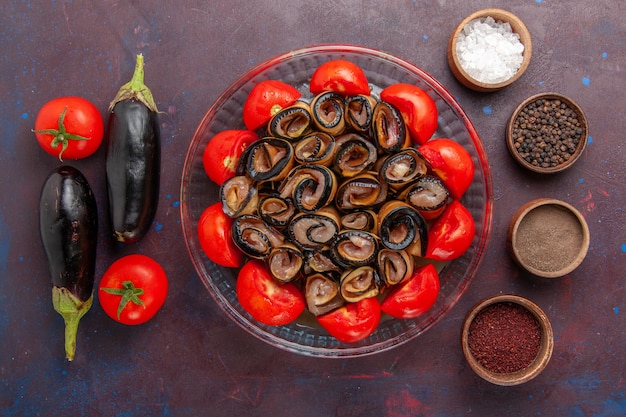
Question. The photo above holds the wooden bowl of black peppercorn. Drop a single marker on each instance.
(547, 133)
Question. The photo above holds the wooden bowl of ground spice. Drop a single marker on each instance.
(548, 238)
(507, 339)
(489, 50)
(547, 133)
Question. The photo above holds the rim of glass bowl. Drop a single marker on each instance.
(314, 341)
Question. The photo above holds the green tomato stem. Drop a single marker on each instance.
(129, 293)
(60, 135)
(72, 310)
(136, 89)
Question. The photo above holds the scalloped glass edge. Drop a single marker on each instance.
(380, 340)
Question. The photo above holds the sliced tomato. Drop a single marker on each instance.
(353, 321)
(417, 108)
(265, 100)
(452, 233)
(451, 162)
(215, 236)
(222, 153)
(414, 296)
(340, 76)
(264, 298)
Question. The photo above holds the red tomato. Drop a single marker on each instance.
(339, 76)
(222, 153)
(69, 127)
(264, 298)
(133, 289)
(215, 236)
(414, 296)
(452, 164)
(265, 100)
(417, 108)
(353, 321)
(451, 234)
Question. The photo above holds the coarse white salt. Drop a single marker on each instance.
(489, 51)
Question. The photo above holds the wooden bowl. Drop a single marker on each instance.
(574, 156)
(499, 15)
(548, 238)
(537, 365)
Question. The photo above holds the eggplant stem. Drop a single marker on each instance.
(72, 310)
(136, 89)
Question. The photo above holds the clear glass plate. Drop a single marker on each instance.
(296, 68)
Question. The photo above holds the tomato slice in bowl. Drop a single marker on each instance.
(264, 298)
(353, 321)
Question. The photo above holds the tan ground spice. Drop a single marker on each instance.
(549, 238)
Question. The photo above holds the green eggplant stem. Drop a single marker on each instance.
(72, 310)
(136, 89)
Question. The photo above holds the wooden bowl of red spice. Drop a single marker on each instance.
(489, 50)
(507, 339)
(547, 133)
(548, 237)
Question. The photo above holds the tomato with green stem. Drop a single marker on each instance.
(339, 76)
(133, 289)
(265, 100)
(267, 300)
(69, 127)
(353, 321)
(221, 155)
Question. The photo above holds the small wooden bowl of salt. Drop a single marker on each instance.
(489, 50)
(548, 237)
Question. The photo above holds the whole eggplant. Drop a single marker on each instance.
(68, 224)
(133, 159)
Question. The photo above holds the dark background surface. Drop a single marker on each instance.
(191, 360)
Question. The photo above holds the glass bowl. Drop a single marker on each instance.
(198, 192)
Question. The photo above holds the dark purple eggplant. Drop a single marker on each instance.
(133, 159)
(68, 223)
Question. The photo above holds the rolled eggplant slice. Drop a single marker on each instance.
(365, 191)
(359, 112)
(314, 230)
(254, 237)
(403, 167)
(321, 293)
(239, 196)
(268, 159)
(388, 129)
(285, 262)
(352, 248)
(354, 154)
(359, 283)
(428, 195)
(311, 187)
(402, 227)
(394, 266)
(315, 148)
(327, 113)
(366, 220)
(276, 210)
(291, 123)
(320, 261)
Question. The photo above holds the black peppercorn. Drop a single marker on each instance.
(546, 132)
